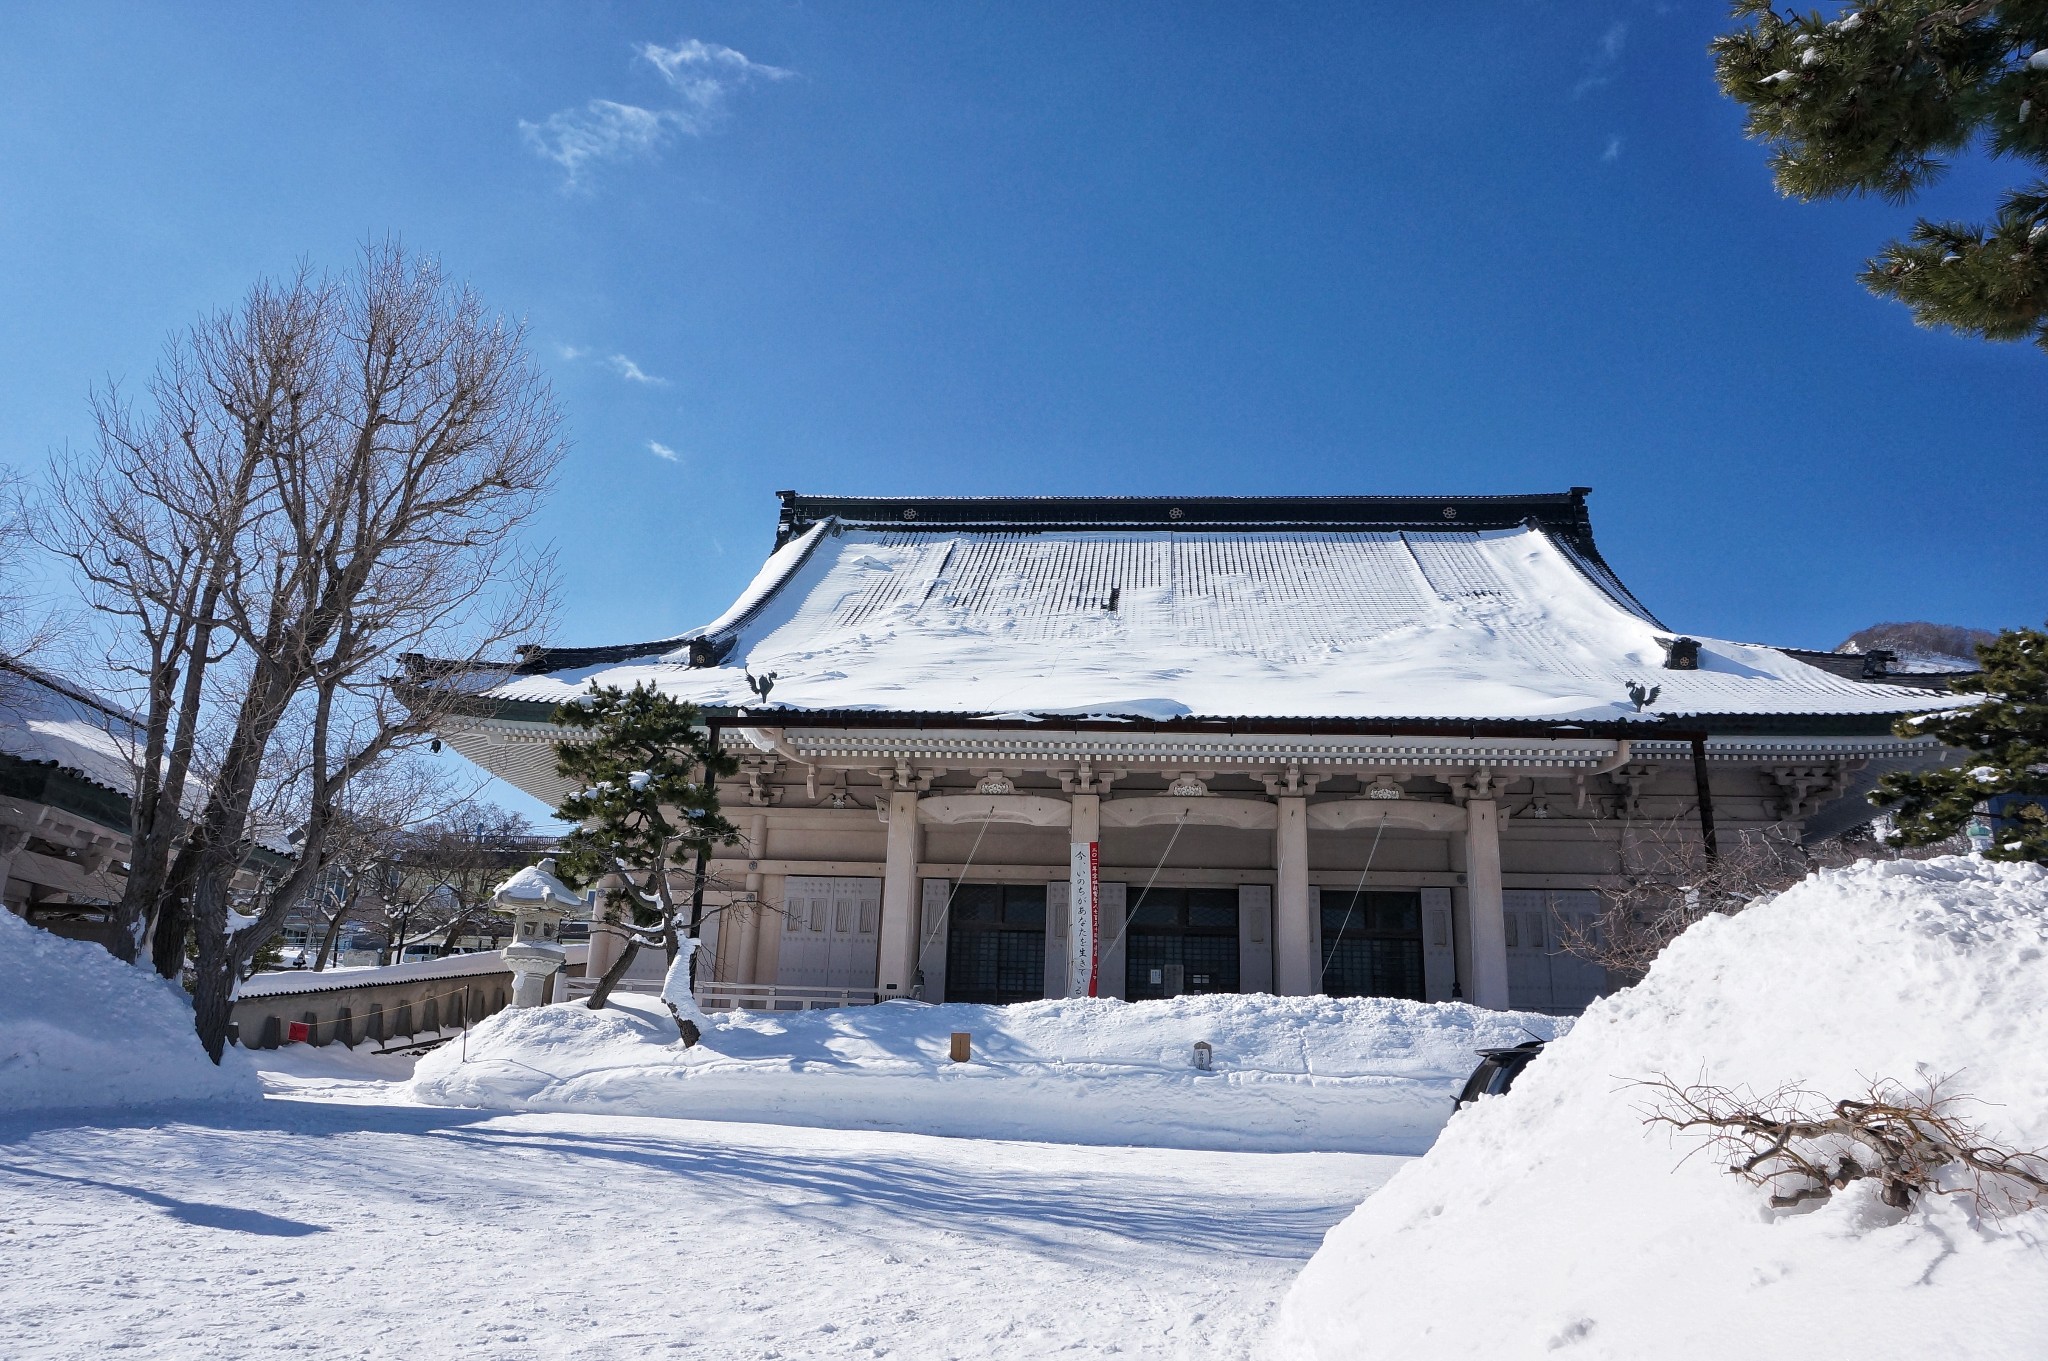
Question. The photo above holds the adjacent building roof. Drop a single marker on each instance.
(45, 720)
(1470, 608)
(65, 747)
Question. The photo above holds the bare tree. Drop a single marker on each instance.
(25, 630)
(449, 870)
(380, 813)
(325, 479)
(1801, 1146)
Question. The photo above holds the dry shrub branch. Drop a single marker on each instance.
(1803, 1147)
(1665, 881)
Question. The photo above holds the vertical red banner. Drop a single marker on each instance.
(1094, 917)
(1084, 899)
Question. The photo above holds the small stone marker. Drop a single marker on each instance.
(1204, 1055)
(963, 1045)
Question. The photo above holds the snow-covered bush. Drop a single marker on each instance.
(1552, 1220)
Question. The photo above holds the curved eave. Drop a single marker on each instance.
(489, 709)
(70, 791)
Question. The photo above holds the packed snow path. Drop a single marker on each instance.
(335, 1219)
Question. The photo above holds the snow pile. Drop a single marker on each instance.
(1289, 1073)
(1551, 1221)
(80, 1028)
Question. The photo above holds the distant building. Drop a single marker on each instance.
(1349, 745)
(66, 778)
(65, 781)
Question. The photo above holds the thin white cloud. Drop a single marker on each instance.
(704, 76)
(633, 373)
(599, 131)
(660, 450)
(1613, 151)
(620, 364)
(1601, 65)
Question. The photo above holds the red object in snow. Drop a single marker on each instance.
(297, 1032)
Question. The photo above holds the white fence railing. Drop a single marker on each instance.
(777, 997)
(740, 996)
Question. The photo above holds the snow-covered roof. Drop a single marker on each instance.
(48, 721)
(1390, 608)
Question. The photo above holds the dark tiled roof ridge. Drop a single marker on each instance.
(1562, 510)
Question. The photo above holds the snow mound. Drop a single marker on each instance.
(80, 1028)
(1550, 1220)
(1289, 1073)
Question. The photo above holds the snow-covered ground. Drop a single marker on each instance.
(339, 1219)
(1289, 1074)
(345, 1217)
(1550, 1221)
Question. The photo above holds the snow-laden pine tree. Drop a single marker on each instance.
(1874, 100)
(645, 801)
(2005, 738)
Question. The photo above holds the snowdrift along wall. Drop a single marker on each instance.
(1289, 1073)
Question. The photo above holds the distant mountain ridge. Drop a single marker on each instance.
(1921, 646)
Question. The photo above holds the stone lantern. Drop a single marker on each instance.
(536, 901)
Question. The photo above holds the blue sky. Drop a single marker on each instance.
(1077, 248)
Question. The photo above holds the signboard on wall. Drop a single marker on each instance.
(1084, 899)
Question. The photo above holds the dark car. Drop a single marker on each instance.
(1497, 1071)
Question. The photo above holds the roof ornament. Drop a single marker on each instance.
(1680, 654)
(709, 651)
(1643, 698)
(761, 685)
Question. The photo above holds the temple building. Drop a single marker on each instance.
(67, 776)
(1001, 749)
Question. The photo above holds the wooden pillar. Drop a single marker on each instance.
(1488, 986)
(12, 840)
(767, 962)
(738, 959)
(607, 941)
(1461, 923)
(1296, 970)
(896, 965)
(736, 942)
